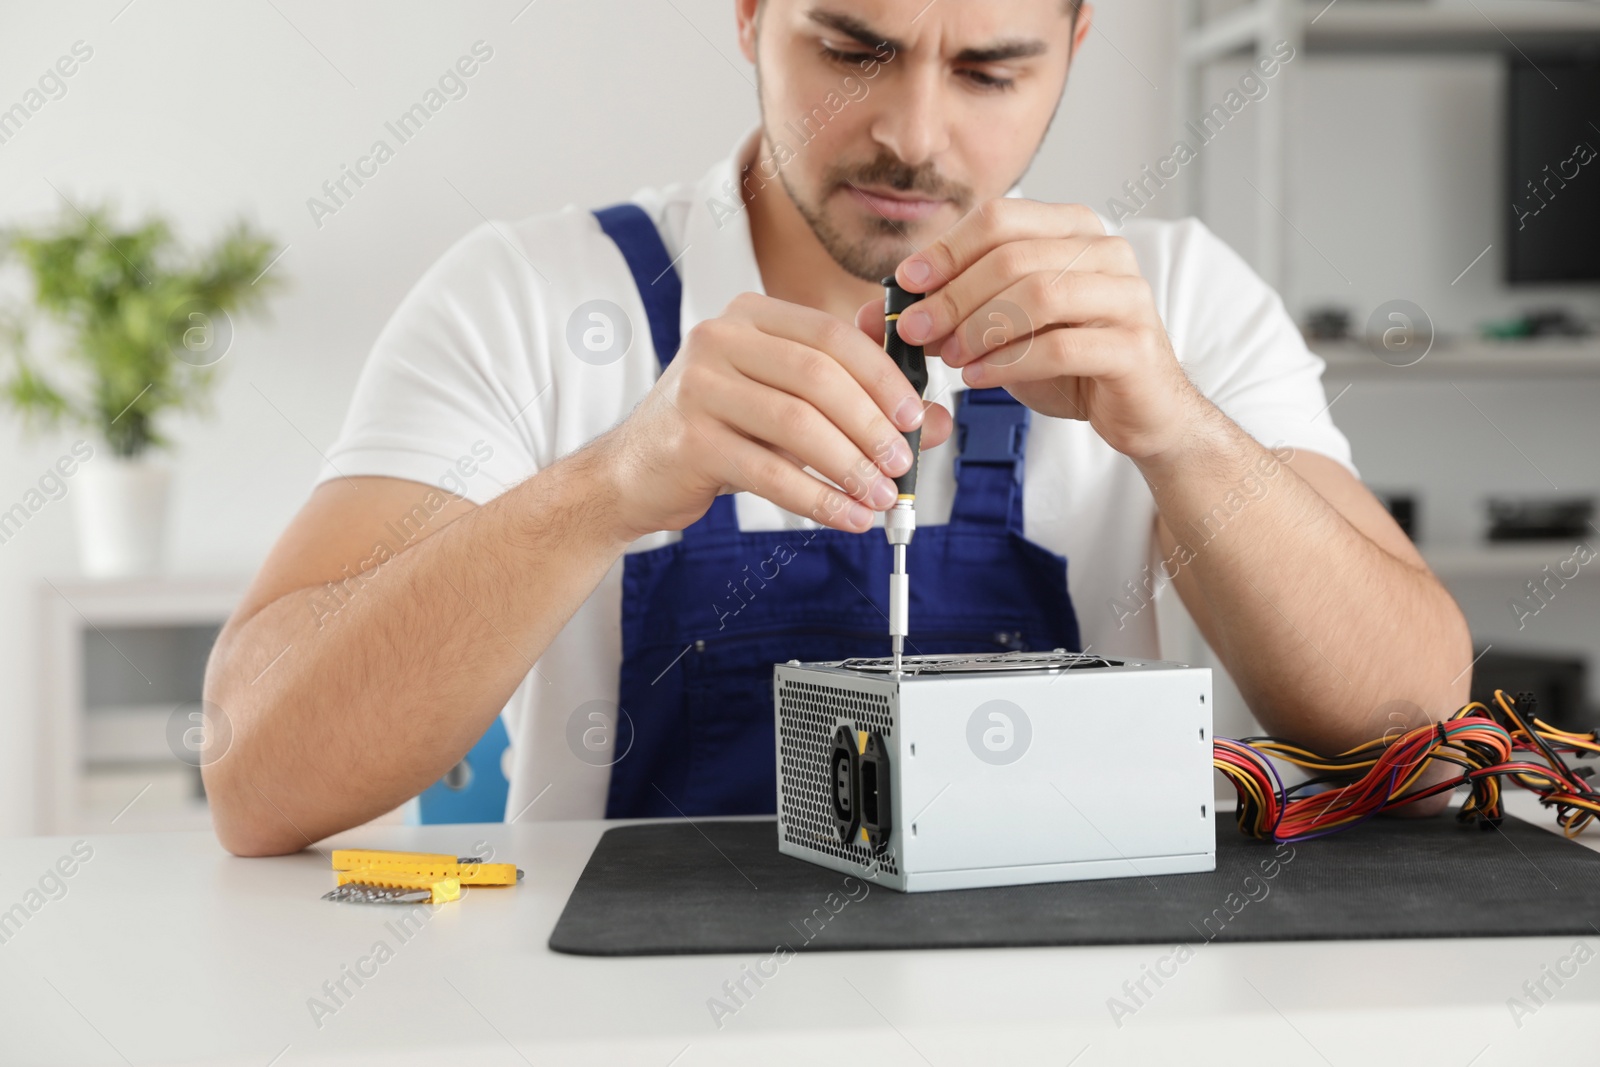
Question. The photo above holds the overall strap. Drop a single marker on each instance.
(661, 290)
(653, 273)
(991, 435)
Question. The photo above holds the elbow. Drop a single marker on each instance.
(243, 826)
(1406, 697)
(243, 818)
(247, 837)
(1430, 674)
(244, 834)
(1455, 658)
(250, 845)
(1451, 690)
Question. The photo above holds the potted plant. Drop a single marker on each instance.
(139, 323)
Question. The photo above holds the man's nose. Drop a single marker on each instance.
(914, 123)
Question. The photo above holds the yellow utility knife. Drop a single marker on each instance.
(427, 864)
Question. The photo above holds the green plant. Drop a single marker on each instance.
(143, 321)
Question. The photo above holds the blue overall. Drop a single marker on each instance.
(704, 619)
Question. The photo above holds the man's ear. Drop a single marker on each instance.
(1079, 32)
(744, 12)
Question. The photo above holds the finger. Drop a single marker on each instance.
(936, 423)
(822, 383)
(869, 320)
(857, 353)
(789, 423)
(936, 426)
(936, 316)
(762, 471)
(985, 228)
(1039, 303)
(1067, 351)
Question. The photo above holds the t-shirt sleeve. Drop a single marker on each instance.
(1238, 343)
(448, 394)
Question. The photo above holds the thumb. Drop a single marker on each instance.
(869, 320)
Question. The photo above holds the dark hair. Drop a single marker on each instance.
(1069, 7)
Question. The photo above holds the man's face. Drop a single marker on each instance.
(887, 120)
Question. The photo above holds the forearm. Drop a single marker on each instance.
(338, 719)
(1327, 633)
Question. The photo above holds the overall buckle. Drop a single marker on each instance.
(990, 432)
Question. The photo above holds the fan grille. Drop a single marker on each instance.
(808, 715)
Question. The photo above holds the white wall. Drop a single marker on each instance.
(207, 110)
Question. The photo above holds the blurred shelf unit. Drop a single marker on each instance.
(1470, 358)
(1449, 25)
(1394, 26)
(1510, 560)
(1254, 28)
(122, 662)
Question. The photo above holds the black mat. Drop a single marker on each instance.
(675, 888)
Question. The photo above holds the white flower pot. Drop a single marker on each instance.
(122, 515)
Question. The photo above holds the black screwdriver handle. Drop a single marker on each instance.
(912, 363)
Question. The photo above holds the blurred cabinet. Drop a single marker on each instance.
(121, 674)
(1415, 430)
(1211, 31)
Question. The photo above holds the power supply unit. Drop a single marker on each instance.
(995, 769)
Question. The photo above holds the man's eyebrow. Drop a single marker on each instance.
(1004, 50)
(852, 27)
(859, 31)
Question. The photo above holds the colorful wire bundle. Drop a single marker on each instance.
(1488, 744)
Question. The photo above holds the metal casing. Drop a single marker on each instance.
(1004, 769)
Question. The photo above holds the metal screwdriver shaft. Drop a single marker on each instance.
(897, 622)
(901, 521)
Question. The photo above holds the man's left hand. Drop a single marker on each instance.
(1037, 298)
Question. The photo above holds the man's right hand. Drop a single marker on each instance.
(752, 399)
(339, 716)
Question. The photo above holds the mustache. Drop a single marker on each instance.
(886, 170)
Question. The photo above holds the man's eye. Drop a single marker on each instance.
(985, 80)
(838, 55)
(979, 78)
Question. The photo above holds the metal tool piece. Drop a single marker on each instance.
(440, 890)
(355, 893)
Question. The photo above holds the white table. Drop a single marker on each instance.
(165, 949)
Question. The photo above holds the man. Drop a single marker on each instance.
(1139, 403)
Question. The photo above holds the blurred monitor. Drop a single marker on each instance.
(1553, 157)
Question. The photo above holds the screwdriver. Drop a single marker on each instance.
(901, 521)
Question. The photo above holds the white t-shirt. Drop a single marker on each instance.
(474, 386)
